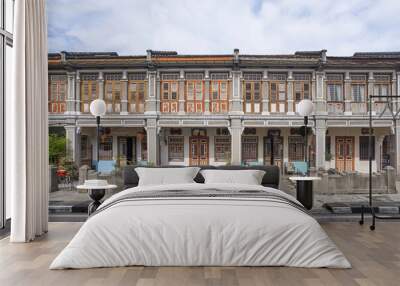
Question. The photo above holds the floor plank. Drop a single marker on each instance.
(375, 257)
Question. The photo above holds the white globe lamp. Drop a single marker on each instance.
(98, 107)
(305, 107)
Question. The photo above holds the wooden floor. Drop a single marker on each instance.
(375, 257)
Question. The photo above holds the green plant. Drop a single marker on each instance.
(69, 166)
(57, 148)
(328, 156)
(151, 164)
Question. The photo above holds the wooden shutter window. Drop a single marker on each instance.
(219, 90)
(57, 93)
(249, 149)
(106, 148)
(176, 148)
(252, 93)
(194, 96)
(169, 93)
(136, 92)
(277, 91)
(296, 148)
(222, 148)
(112, 95)
(89, 91)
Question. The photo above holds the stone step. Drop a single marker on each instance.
(68, 207)
(351, 208)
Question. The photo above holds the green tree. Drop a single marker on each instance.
(57, 148)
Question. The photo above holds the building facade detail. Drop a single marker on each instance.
(167, 109)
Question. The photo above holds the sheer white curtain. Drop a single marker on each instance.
(27, 126)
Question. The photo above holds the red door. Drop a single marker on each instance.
(344, 153)
(199, 150)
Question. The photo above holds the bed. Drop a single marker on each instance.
(197, 224)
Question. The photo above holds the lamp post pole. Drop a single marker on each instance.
(98, 109)
(305, 108)
(306, 145)
(98, 142)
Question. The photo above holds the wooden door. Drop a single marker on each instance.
(344, 153)
(126, 150)
(199, 150)
(273, 149)
(249, 149)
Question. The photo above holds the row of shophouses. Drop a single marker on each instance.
(164, 108)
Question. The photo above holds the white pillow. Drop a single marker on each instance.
(248, 177)
(166, 176)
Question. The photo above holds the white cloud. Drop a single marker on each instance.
(215, 26)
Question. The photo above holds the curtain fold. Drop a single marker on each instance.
(27, 142)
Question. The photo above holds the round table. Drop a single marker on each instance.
(96, 193)
(304, 190)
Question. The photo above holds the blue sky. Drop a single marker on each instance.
(130, 27)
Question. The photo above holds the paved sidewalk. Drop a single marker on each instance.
(72, 200)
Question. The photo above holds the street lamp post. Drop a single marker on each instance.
(305, 108)
(98, 109)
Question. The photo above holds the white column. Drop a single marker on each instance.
(313, 87)
(100, 80)
(290, 100)
(77, 93)
(397, 148)
(320, 136)
(72, 142)
(236, 107)
(181, 97)
(265, 94)
(152, 141)
(206, 93)
(70, 93)
(378, 151)
(370, 90)
(236, 130)
(347, 94)
(320, 100)
(124, 93)
(158, 92)
(151, 101)
(396, 86)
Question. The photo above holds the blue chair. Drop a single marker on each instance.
(106, 167)
(254, 163)
(142, 163)
(300, 167)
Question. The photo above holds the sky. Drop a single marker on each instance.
(130, 27)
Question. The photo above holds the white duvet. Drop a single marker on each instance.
(200, 231)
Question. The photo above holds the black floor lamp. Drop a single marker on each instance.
(394, 112)
(305, 108)
(98, 109)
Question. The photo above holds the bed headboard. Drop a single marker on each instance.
(270, 179)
